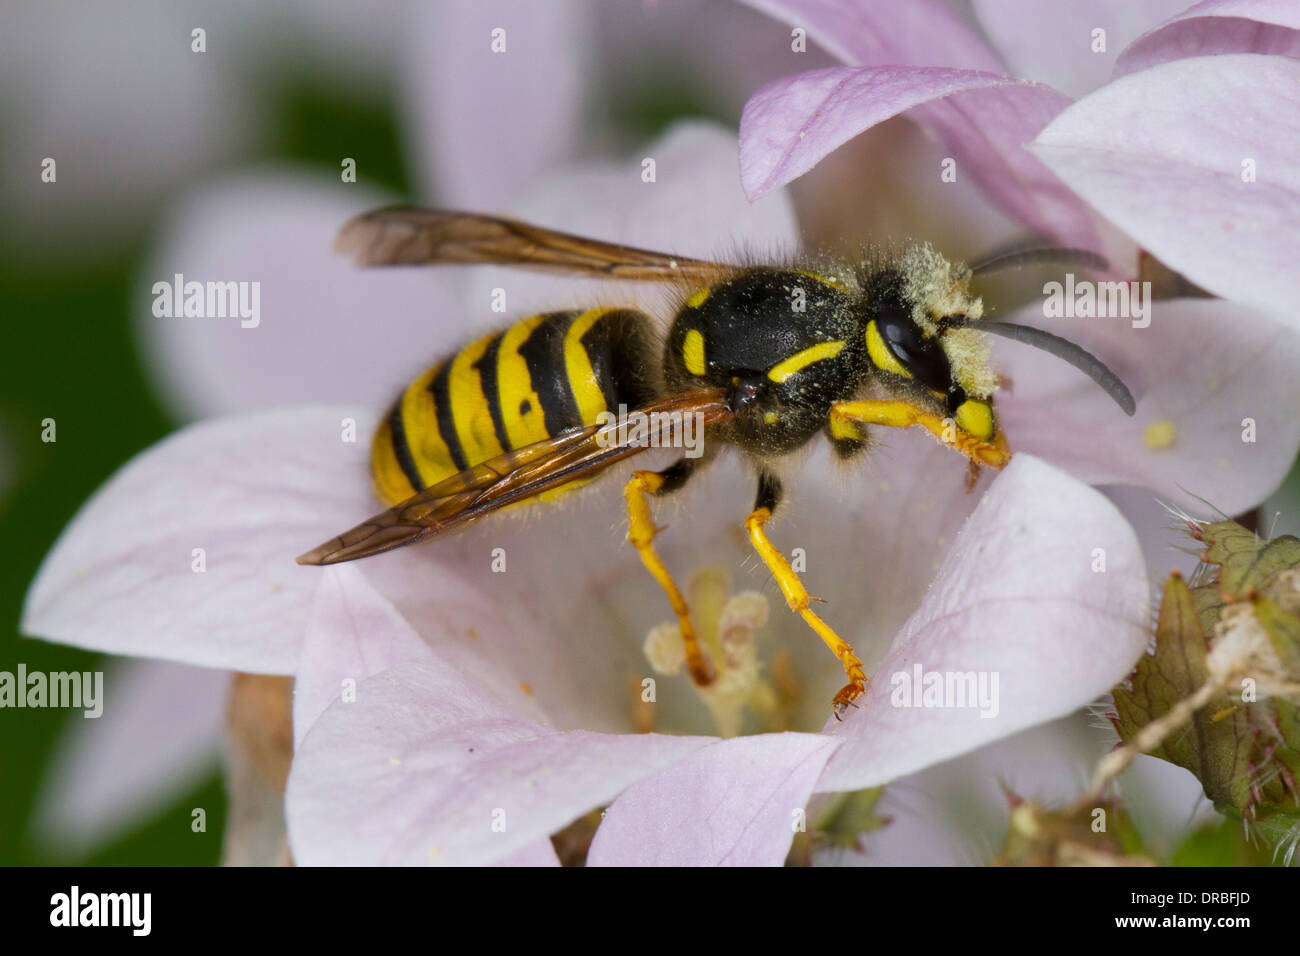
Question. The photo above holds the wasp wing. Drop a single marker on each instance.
(515, 476)
(410, 235)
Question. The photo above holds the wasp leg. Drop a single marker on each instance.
(641, 532)
(896, 414)
(796, 595)
(849, 439)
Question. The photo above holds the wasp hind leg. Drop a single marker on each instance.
(796, 595)
(641, 532)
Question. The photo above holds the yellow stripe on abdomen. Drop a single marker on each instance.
(521, 408)
(587, 392)
(500, 393)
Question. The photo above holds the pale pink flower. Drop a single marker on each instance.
(274, 483)
(1187, 146)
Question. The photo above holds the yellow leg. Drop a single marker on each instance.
(641, 532)
(897, 414)
(796, 595)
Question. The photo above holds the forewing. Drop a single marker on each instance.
(409, 235)
(515, 476)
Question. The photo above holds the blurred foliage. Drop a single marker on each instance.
(837, 821)
(1224, 843)
(1243, 747)
(1078, 835)
(641, 111)
(321, 125)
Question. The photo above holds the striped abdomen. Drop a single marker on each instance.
(542, 375)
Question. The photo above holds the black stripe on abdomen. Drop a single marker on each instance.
(543, 351)
(487, 374)
(402, 448)
(441, 392)
(621, 353)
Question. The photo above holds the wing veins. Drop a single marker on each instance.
(409, 235)
(506, 480)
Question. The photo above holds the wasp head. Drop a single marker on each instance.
(917, 333)
(928, 330)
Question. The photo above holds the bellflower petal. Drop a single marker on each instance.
(325, 329)
(1018, 597)
(879, 32)
(117, 770)
(733, 803)
(724, 51)
(491, 110)
(354, 633)
(1216, 388)
(126, 575)
(1056, 42)
(1164, 537)
(429, 766)
(82, 87)
(1195, 160)
(793, 123)
(1217, 26)
(934, 813)
(694, 206)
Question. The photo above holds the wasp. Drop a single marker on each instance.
(763, 357)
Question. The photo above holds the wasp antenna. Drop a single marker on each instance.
(1041, 255)
(1064, 349)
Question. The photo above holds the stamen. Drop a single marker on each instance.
(726, 624)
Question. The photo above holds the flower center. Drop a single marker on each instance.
(726, 624)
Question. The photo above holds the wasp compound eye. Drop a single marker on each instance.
(923, 358)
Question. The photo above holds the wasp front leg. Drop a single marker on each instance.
(641, 532)
(796, 595)
(977, 437)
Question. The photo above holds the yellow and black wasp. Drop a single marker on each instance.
(764, 358)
